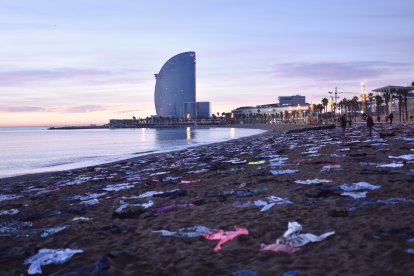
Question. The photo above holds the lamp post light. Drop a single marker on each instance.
(363, 97)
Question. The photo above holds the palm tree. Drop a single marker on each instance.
(286, 115)
(325, 104)
(342, 104)
(378, 102)
(387, 97)
(400, 104)
(371, 98)
(353, 103)
(404, 93)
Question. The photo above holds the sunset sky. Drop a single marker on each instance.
(85, 61)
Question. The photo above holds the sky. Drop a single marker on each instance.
(82, 62)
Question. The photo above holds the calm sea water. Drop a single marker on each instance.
(25, 150)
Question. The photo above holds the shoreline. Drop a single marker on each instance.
(265, 127)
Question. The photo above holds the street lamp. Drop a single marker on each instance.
(363, 97)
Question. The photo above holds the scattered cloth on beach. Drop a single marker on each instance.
(89, 196)
(394, 200)
(81, 219)
(250, 192)
(355, 194)
(76, 181)
(171, 178)
(235, 161)
(10, 212)
(189, 181)
(45, 233)
(47, 256)
(335, 155)
(294, 238)
(270, 201)
(410, 251)
(199, 171)
(6, 197)
(224, 236)
(391, 165)
(328, 168)
(275, 247)
(312, 181)
(408, 157)
(358, 186)
(244, 273)
(188, 232)
(92, 201)
(125, 205)
(277, 172)
(172, 207)
(265, 203)
(257, 162)
(172, 194)
(13, 227)
(150, 193)
(117, 187)
(158, 173)
(238, 192)
(290, 273)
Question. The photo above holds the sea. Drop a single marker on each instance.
(27, 150)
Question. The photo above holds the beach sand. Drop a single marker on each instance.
(371, 234)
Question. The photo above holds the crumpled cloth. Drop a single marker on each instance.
(47, 256)
(52, 231)
(355, 195)
(275, 247)
(294, 238)
(266, 203)
(224, 236)
(124, 205)
(312, 181)
(270, 201)
(288, 171)
(188, 232)
(117, 187)
(358, 186)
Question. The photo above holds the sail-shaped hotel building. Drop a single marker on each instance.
(175, 88)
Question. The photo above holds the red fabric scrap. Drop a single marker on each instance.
(224, 236)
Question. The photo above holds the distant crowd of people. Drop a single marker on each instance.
(367, 117)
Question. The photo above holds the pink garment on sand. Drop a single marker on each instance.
(224, 236)
(278, 248)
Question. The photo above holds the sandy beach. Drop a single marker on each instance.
(165, 214)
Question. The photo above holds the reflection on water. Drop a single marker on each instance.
(34, 149)
(143, 134)
(173, 134)
(188, 132)
(232, 132)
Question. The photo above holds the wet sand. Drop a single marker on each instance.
(371, 234)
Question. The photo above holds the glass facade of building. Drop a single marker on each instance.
(176, 85)
(292, 100)
(203, 109)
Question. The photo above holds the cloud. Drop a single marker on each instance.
(339, 71)
(72, 109)
(21, 109)
(83, 109)
(128, 111)
(17, 77)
